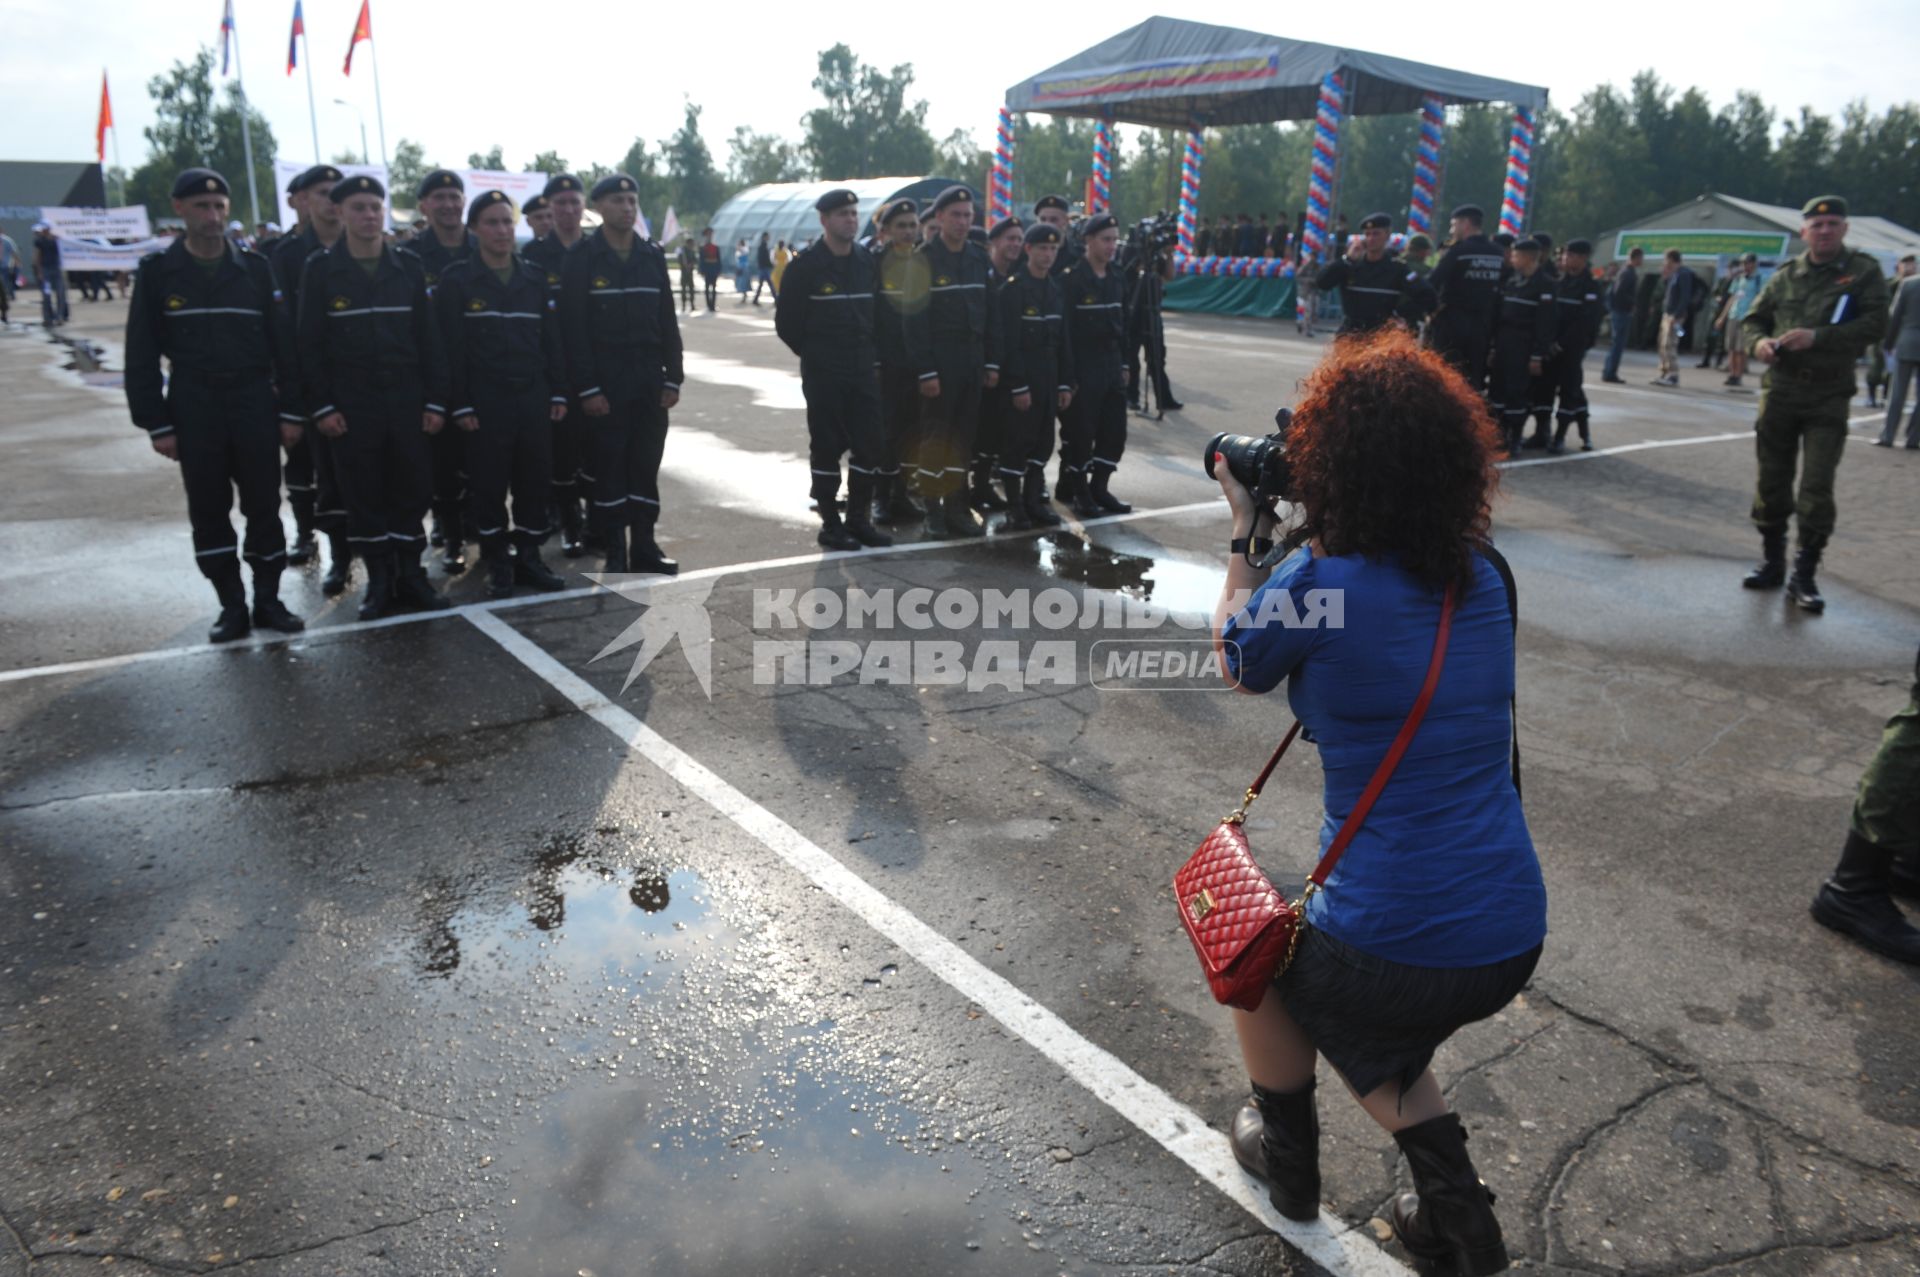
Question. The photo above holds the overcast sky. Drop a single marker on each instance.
(585, 78)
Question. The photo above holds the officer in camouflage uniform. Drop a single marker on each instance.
(1809, 324)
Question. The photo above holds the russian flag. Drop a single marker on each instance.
(226, 35)
(293, 38)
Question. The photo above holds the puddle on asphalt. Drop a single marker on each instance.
(712, 1117)
(1122, 562)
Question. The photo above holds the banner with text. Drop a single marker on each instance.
(93, 254)
(99, 223)
(284, 171)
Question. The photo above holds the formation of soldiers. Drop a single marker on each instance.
(503, 391)
(940, 359)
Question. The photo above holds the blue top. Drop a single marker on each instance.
(1443, 873)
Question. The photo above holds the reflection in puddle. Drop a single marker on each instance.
(1124, 562)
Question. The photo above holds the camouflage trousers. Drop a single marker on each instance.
(1801, 427)
(1886, 811)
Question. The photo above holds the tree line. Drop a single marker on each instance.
(1616, 155)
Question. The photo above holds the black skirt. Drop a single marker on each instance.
(1377, 1021)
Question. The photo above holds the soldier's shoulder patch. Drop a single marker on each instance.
(827, 288)
(1033, 310)
(175, 301)
(552, 278)
(1089, 300)
(942, 281)
(600, 281)
(477, 304)
(341, 303)
(552, 305)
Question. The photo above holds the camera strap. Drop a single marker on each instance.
(1501, 566)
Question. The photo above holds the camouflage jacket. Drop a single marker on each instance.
(1843, 301)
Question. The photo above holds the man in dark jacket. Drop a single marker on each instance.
(1576, 318)
(900, 283)
(317, 227)
(375, 376)
(1622, 296)
(1375, 285)
(824, 312)
(1093, 433)
(953, 339)
(567, 198)
(1465, 283)
(1522, 335)
(1037, 367)
(442, 196)
(1678, 301)
(213, 311)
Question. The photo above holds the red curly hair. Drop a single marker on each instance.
(1392, 454)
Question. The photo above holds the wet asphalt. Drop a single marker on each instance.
(370, 952)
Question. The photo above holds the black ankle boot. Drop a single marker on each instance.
(499, 571)
(530, 569)
(269, 613)
(232, 623)
(1108, 503)
(1771, 571)
(1855, 902)
(960, 520)
(301, 552)
(410, 585)
(379, 599)
(1447, 1223)
(1559, 444)
(833, 534)
(339, 566)
(901, 507)
(1019, 518)
(572, 523)
(647, 555)
(1276, 1138)
(1800, 586)
(1033, 495)
(981, 495)
(1586, 432)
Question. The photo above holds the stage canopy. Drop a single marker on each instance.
(1165, 71)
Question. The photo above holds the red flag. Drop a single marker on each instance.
(106, 119)
(362, 30)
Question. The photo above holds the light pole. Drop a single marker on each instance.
(363, 127)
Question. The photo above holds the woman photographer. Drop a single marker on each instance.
(1435, 915)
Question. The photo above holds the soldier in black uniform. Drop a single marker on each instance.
(952, 338)
(1523, 332)
(213, 310)
(375, 374)
(1540, 394)
(1056, 212)
(501, 326)
(1375, 285)
(1465, 283)
(566, 196)
(287, 256)
(1037, 370)
(1093, 434)
(1006, 257)
(1577, 311)
(824, 312)
(901, 281)
(624, 362)
(443, 198)
(538, 212)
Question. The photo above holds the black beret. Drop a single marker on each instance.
(1580, 246)
(1419, 241)
(1005, 226)
(1052, 201)
(313, 177)
(952, 195)
(561, 182)
(357, 186)
(441, 179)
(1528, 245)
(1824, 206)
(895, 209)
(486, 200)
(199, 181)
(1043, 233)
(1097, 223)
(1376, 220)
(1472, 212)
(614, 184)
(538, 204)
(978, 234)
(1505, 240)
(837, 198)
(1546, 240)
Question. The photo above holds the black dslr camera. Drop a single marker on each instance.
(1259, 463)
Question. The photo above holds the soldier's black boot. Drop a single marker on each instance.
(1559, 444)
(647, 555)
(937, 529)
(1447, 1223)
(1276, 1139)
(1107, 502)
(833, 534)
(269, 613)
(1539, 437)
(1033, 494)
(1019, 518)
(1857, 903)
(1771, 572)
(1800, 586)
(1082, 501)
(454, 561)
(303, 549)
(530, 569)
(980, 494)
(1586, 432)
(860, 505)
(960, 520)
(410, 585)
(1068, 487)
(572, 523)
(499, 568)
(379, 598)
(232, 623)
(339, 565)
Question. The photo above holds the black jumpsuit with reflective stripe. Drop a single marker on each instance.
(824, 312)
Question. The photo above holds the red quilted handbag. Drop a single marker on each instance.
(1244, 931)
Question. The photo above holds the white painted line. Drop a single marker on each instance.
(1328, 1241)
(1644, 445)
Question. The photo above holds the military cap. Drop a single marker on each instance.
(1052, 201)
(978, 234)
(1580, 246)
(1755, 257)
(1376, 221)
(562, 182)
(1097, 223)
(537, 204)
(1824, 206)
(1504, 240)
(486, 200)
(952, 195)
(890, 211)
(1420, 241)
(837, 198)
(199, 181)
(1472, 212)
(614, 184)
(1005, 226)
(1043, 233)
(441, 179)
(926, 214)
(313, 177)
(1528, 245)
(362, 185)
(1546, 240)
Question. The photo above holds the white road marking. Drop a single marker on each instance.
(1523, 462)
(1329, 1241)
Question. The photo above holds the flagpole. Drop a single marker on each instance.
(313, 116)
(379, 116)
(115, 130)
(246, 130)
